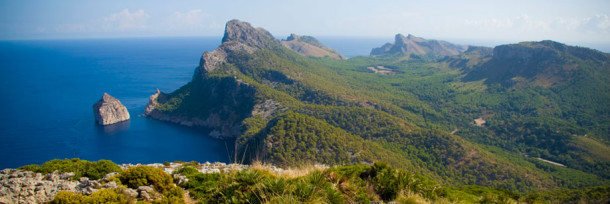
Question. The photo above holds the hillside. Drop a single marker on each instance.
(288, 109)
(309, 46)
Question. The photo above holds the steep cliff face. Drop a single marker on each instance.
(109, 110)
(215, 98)
(309, 46)
(416, 46)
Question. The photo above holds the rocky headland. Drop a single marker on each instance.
(109, 110)
(226, 102)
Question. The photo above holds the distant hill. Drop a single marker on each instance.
(416, 46)
(545, 63)
(309, 46)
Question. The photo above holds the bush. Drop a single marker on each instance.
(65, 197)
(81, 168)
(200, 185)
(101, 196)
(135, 177)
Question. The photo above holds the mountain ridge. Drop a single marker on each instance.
(415, 46)
(253, 89)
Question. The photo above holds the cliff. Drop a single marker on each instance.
(109, 110)
(216, 101)
(416, 46)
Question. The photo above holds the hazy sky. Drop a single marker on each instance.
(573, 21)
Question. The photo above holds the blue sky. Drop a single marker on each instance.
(576, 22)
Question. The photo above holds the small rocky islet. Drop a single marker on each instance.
(109, 110)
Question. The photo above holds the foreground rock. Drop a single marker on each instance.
(17, 186)
(109, 110)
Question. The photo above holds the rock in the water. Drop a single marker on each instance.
(109, 110)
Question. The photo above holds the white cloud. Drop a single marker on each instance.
(125, 20)
(522, 23)
(191, 20)
(599, 23)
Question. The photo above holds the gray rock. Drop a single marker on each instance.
(66, 176)
(146, 189)
(109, 110)
(109, 175)
(111, 184)
(130, 192)
(180, 180)
(144, 196)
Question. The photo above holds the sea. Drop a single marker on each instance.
(48, 88)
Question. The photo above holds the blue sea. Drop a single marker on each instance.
(48, 88)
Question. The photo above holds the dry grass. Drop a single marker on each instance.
(598, 149)
(292, 172)
(410, 197)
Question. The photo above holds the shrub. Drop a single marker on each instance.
(135, 177)
(101, 196)
(81, 168)
(65, 197)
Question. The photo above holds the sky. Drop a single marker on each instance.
(575, 22)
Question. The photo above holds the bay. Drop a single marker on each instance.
(48, 88)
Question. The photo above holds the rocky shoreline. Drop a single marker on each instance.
(18, 186)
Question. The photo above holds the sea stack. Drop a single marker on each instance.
(109, 110)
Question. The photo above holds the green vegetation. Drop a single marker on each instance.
(101, 196)
(345, 184)
(308, 184)
(357, 184)
(133, 177)
(80, 168)
(144, 176)
(554, 106)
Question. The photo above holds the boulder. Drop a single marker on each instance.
(109, 110)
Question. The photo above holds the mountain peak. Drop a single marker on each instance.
(243, 32)
(413, 45)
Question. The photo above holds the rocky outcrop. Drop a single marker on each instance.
(17, 186)
(238, 36)
(309, 46)
(109, 110)
(222, 103)
(415, 46)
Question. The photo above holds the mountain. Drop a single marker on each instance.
(413, 46)
(309, 46)
(288, 109)
(545, 63)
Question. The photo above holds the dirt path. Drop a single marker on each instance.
(187, 197)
